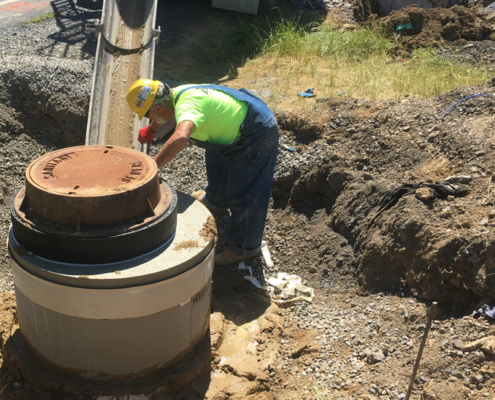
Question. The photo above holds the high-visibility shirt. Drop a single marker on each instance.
(217, 116)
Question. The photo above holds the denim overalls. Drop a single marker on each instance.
(240, 174)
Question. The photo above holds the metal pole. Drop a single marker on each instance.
(433, 313)
(145, 148)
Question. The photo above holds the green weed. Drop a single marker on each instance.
(360, 63)
(41, 18)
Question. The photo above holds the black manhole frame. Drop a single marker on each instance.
(99, 250)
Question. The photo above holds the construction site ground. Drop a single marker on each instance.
(375, 269)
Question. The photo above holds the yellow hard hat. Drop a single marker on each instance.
(140, 96)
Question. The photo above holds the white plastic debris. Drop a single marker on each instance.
(266, 254)
(289, 286)
(254, 281)
(250, 277)
(285, 287)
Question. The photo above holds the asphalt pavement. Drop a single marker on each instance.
(14, 11)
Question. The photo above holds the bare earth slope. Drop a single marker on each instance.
(440, 249)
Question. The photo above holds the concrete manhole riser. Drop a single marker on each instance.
(115, 320)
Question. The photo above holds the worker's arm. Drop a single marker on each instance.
(175, 144)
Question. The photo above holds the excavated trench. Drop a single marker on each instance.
(323, 221)
(327, 181)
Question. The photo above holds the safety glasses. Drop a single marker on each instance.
(147, 115)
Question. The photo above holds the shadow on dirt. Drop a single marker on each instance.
(306, 193)
(32, 379)
(54, 119)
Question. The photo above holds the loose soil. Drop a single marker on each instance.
(187, 244)
(375, 273)
(209, 230)
(439, 27)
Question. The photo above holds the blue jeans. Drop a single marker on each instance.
(240, 178)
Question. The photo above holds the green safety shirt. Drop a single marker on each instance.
(217, 116)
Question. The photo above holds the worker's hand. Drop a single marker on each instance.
(146, 135)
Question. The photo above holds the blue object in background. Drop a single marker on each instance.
(464, 99)
(407, 25)
(308, 93)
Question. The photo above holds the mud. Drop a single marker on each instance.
(440, 27)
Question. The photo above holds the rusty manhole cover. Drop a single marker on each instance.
(92, 185)
(91, 171)
(93, 193)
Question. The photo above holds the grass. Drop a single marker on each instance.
(321, 393)
(358, 63)
(41, 18)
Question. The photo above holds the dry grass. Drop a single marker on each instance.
(321, 392)
(358, 63)
(436, 169)
(377, 78)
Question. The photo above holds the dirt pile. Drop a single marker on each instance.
(475, 53)
(441, 249)
(439, 27)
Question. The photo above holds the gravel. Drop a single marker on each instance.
(71, 34)
(475, 53)
(361, 339)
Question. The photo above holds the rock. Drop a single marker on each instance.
(424, 194)
(432, 137)
(480, 356)
(446, 213)
(459, 179)
(458, 375)
(445, 391)
(373, 357)
(466, 225)
(486, 345)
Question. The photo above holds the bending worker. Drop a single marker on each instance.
(240, 136)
